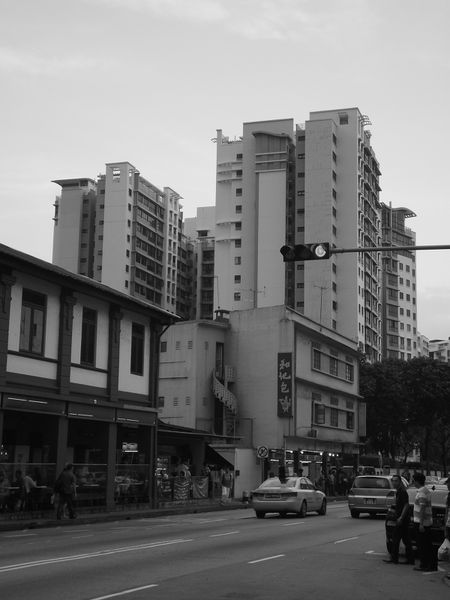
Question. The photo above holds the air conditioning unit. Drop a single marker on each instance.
(312, 433)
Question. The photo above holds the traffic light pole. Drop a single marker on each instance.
(387, 248)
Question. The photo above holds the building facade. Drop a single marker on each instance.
(280, 185)
(439, 350)
(78, 384)
(265, 378)
(400, 334)
(125, 232)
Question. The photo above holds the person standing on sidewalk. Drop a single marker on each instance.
(65, 487)
(423, 519)
(401, 531)
(227, 484)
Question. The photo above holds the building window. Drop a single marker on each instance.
(238, 209)
(32, 322)
(175, 401)
(334, 175)
(238, 226)
(349, 372)
(350, 420)
(301, 174)
(333, 366)
(163, 347)
(188, 400)
(316, 359)
(334, 139)
(137, 349)
(237, 260)
(334, 401)
(238, 156)
(239, 173)
(343, 119)
(177, 345)
(237, 296)
(319, 414)
(237, 279)
(334, 417)
(237, 243)
(238, 191)
(190, 345)
(88, 336)
(160, 401)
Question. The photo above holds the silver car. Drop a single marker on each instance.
(372, 494)
(297, 495)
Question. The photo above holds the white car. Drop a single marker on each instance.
(296, 495)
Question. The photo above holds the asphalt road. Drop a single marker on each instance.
(220, 555)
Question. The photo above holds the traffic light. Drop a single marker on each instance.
(318, 251)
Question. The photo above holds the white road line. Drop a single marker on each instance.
(375, 553)
(292, 524)
(210, 520)
(253, 562)
(73, 557)
(346, 540)
(78, 537)
(20, 535)
(221, 534)
(130, 591)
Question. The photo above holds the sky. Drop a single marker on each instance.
(88, 82)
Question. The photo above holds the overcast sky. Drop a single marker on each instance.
(86, 82)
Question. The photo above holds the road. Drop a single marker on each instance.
(219, 555)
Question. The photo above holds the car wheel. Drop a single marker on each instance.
(303, 509)
(260, 514)
(355, 514)
(323, 508)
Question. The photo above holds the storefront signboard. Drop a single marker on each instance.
(284, 384)
(55, 407)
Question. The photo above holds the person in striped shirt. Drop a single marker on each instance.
(423, 519)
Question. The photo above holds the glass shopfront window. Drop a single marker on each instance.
(132, 465)
(27, 461)
(87, 450)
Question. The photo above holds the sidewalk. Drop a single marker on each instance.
(15, 524)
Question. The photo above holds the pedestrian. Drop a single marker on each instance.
(227, 483)
(401, 531)
(66, 488)
(423, 519)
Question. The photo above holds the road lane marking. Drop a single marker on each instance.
(292, 524)
(73, 557)
(78, 537)
(346, 540)
(375, 553)
(253, 562)
(221, 534)
(130, 591)
(20, 535)
(210, 520)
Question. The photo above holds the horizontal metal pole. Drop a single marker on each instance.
(388, 248)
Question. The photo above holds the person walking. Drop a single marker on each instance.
(423, 519)
(227, 483)
(401, 531)
(66, 488)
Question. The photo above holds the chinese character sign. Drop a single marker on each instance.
(284, 387)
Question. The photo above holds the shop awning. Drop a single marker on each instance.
(220, 455)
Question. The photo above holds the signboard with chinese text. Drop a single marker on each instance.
(284, 384)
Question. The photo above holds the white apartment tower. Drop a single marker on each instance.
(317, 183)
(255, 175)
(120, 230)
(401, 338)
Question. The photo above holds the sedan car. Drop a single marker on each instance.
(296, 495)
(372, 494)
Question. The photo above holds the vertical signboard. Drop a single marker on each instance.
(284, 387)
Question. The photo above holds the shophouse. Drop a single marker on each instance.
(78, 383)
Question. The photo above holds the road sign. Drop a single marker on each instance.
(262, 452)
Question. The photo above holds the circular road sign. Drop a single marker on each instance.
(262, 452)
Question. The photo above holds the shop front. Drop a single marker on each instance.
(110, 449)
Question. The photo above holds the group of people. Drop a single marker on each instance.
(423, 520)
(18, 494)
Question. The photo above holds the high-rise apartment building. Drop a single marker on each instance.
(400, 335)
(316, 182)
(200, 230)
(125, 232)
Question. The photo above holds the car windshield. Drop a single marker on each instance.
(275, 482)
(372, 482)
